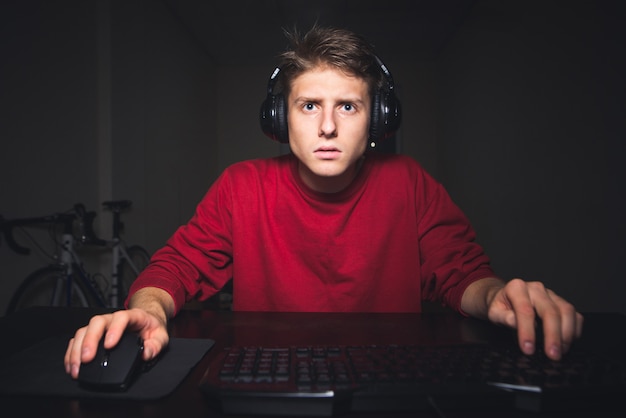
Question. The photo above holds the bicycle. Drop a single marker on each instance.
(66, 281)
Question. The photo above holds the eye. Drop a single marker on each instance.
(348, 107)
(309, 106)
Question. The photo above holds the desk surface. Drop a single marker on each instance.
(606, 331)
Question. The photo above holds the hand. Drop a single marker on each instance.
(519, 304)
(82, 348)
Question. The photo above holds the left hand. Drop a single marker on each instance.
(519, 304)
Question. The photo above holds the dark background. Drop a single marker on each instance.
(516, 107)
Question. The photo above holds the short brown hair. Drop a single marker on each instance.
(338, 48)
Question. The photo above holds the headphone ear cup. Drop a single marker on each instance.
(265, 116)
(273, 118)
(393, 114)
(376, 130)
(282, 131)
(386, 116)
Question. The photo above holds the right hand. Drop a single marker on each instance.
(83, 346)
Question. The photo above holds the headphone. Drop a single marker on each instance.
(384, 119)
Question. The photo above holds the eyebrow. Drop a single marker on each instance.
(305, 99)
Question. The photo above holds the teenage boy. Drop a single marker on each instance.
(330, 226)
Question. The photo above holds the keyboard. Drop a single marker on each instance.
(332, 380)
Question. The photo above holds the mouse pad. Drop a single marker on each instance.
(39, 370)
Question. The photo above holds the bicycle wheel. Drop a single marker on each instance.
(47, 287)
(129, 268)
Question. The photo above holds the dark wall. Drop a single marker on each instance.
(532, 100)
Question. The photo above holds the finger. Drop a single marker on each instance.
(152, 331)
(517, 292)
(571, 321)
(568, 320)
(557, 317)
(139, 321)
(67, 360)
(85, 344)
(501, 312)
(73, 353)
(154, 345)
(93, 334)
(115, 328)
(580, 319)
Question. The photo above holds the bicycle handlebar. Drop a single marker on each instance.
(66, 219)
(8, 225)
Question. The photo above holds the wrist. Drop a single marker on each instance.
(154, 301)
(479, 296)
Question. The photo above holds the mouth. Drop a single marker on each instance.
(327, 153)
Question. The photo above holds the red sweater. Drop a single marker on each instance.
(391, 239)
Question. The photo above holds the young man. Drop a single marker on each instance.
(331, 226)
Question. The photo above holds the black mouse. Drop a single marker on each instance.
(113, 369)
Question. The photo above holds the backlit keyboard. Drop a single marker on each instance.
(330, 380)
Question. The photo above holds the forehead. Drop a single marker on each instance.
(328, 80)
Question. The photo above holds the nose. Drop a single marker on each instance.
(328, 127)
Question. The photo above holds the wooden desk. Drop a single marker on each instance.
(254, 328)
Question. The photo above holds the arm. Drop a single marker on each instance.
(199, 249)
(519, 304)
(149, 310)
(458, 272)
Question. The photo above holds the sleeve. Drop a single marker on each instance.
(451, 259)
(196, 261)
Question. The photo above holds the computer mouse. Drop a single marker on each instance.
(116, 368)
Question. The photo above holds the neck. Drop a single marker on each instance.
(331, 184)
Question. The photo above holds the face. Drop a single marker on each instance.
(328, 119)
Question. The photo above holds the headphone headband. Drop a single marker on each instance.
(272, 80)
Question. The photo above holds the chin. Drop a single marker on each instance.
(331, 169)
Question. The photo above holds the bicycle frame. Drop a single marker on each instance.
(119, 253)
(71, 260)
(72, 264)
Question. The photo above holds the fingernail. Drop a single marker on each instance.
(555, 351)
(529, 347)
(74, 370)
